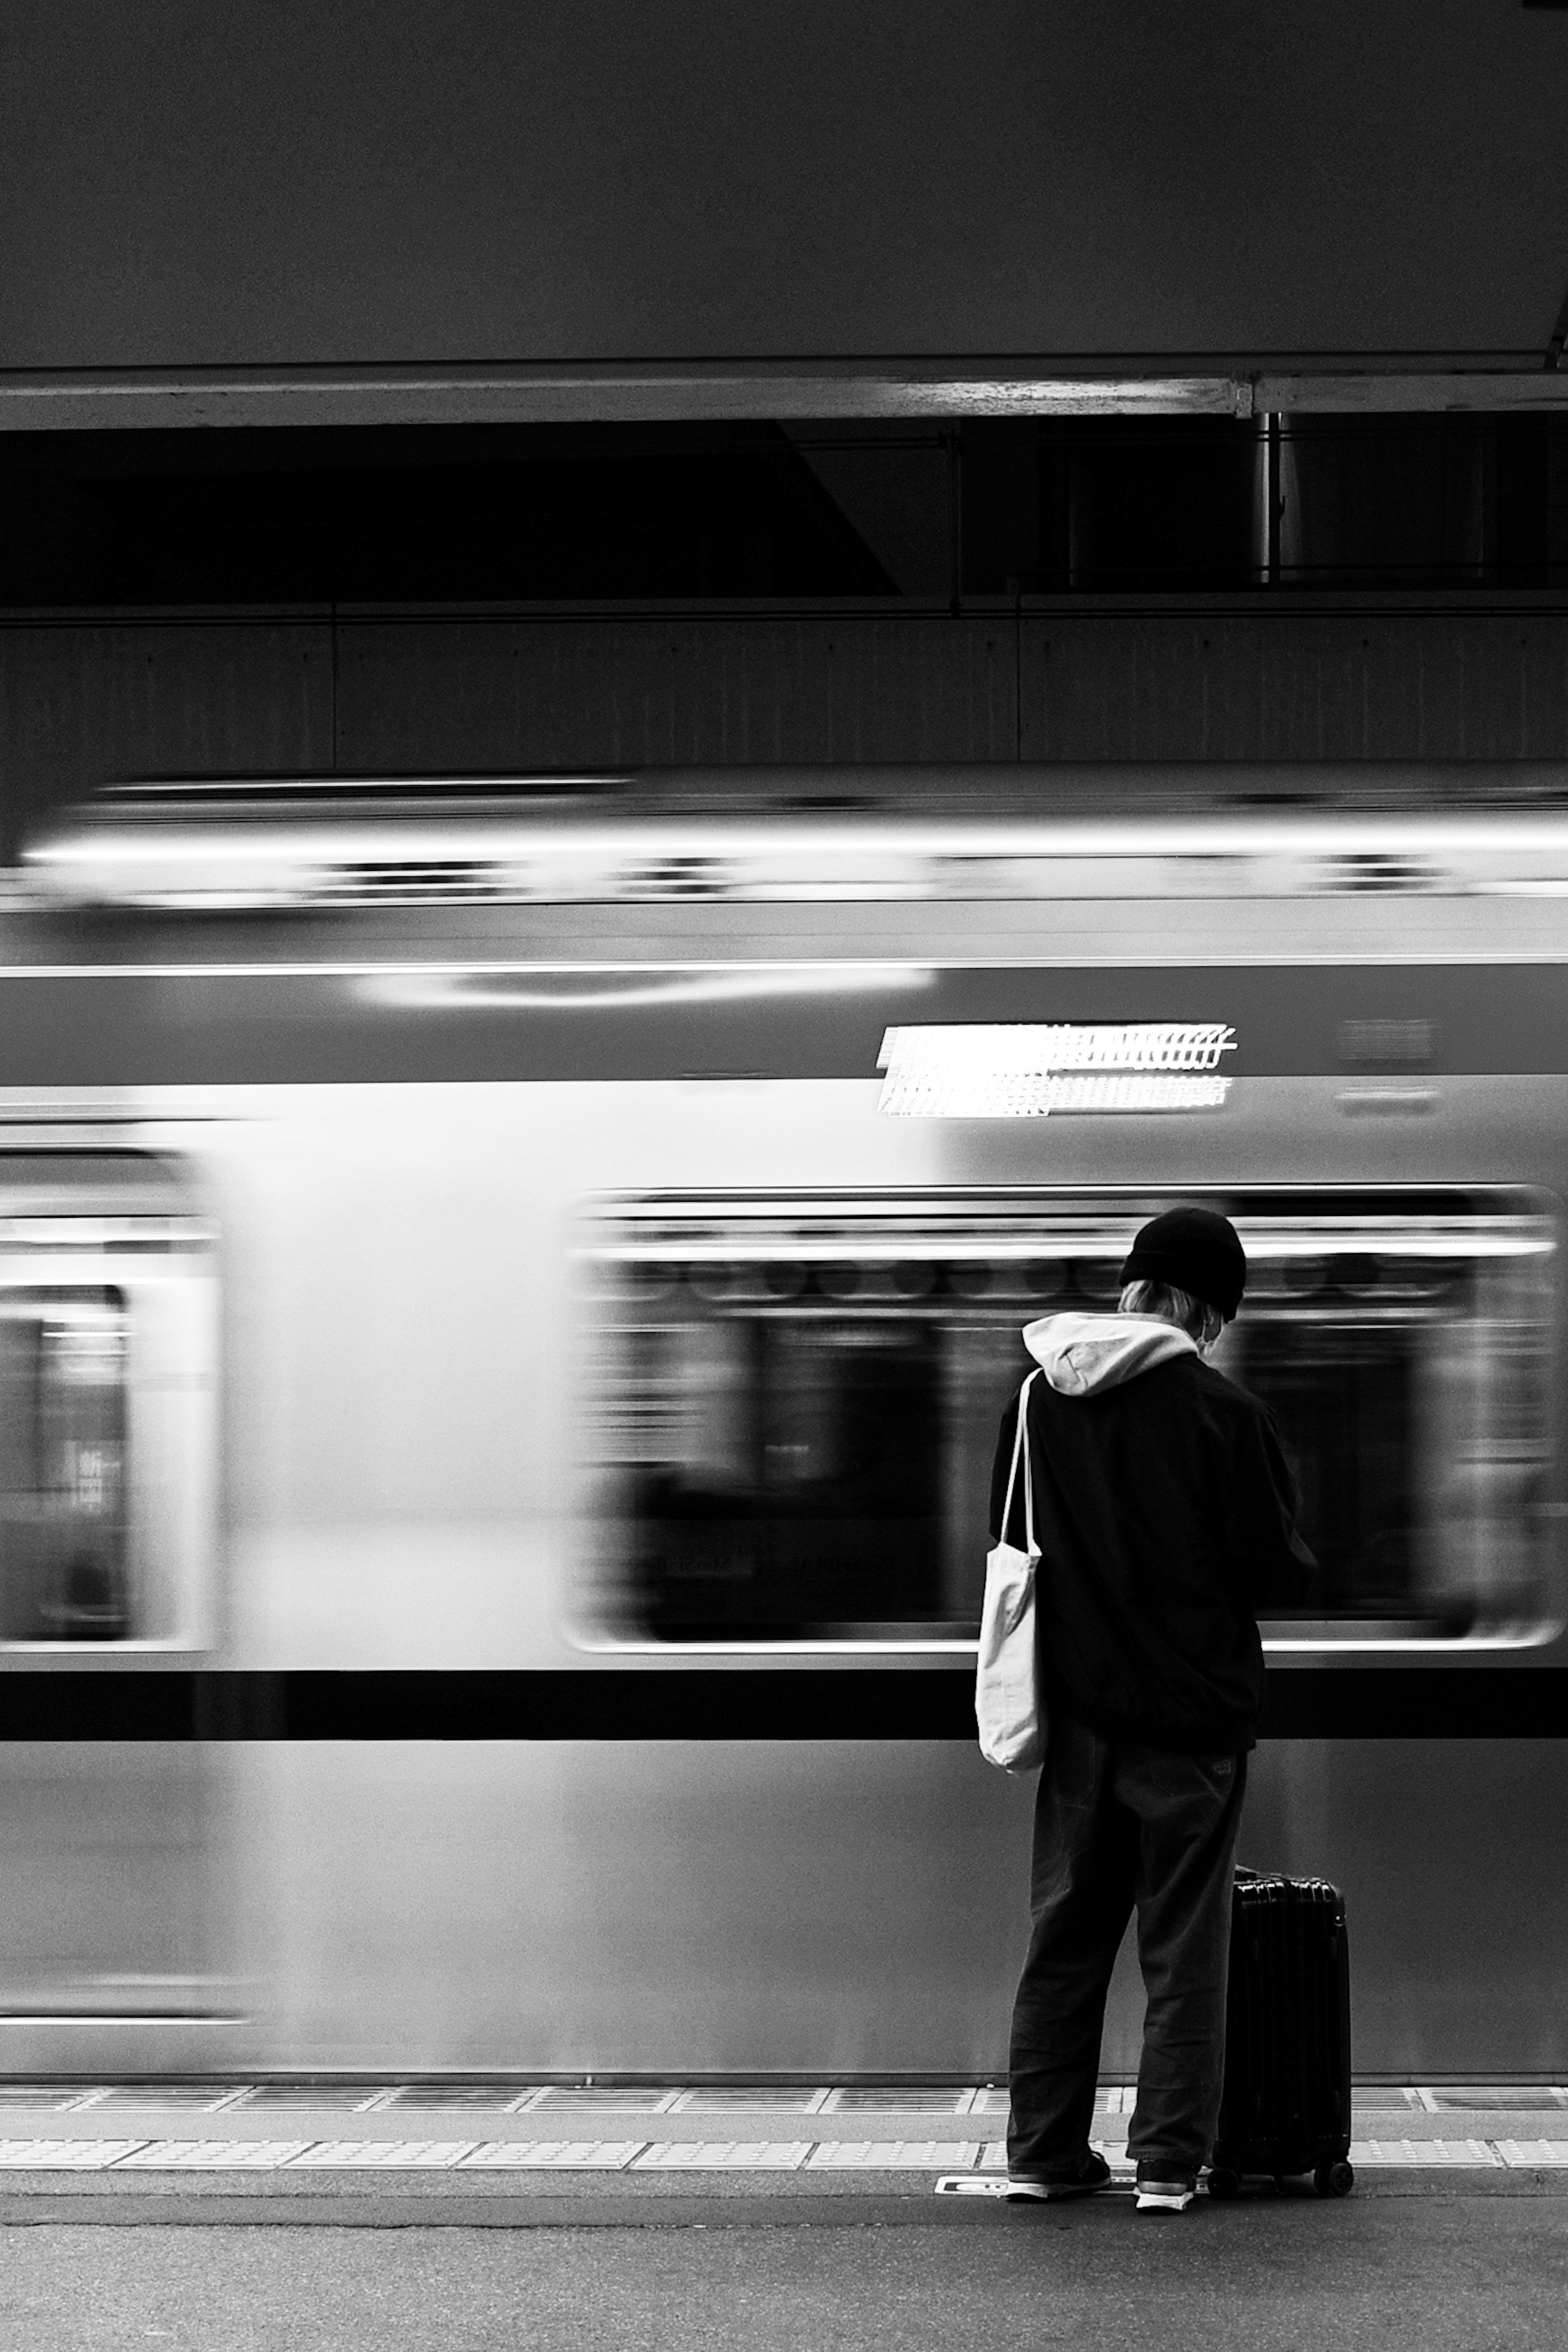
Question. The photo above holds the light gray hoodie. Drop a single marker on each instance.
(1082, 1353)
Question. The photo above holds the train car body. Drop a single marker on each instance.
(568, 1254)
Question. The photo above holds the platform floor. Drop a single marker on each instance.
(1420, 2263)
(225, 2217)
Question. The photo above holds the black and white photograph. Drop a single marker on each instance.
(784, 1129)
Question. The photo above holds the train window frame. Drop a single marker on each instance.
(1481, 1224)
(113, 1228)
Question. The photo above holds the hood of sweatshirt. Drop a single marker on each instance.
(1081, 1354)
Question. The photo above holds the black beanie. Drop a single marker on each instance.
(1191, 1250)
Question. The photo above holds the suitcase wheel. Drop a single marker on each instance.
(1334, 2179)
(1224, 2183)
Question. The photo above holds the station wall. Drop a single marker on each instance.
(83, 700)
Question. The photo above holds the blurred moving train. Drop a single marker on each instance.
(506, 1291)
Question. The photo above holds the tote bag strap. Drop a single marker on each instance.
(1021, 1453)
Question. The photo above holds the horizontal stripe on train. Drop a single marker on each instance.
(1453, 1700)
(211, 1027)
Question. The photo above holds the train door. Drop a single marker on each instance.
(108, 1397)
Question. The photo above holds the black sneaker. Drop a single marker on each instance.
(1162, 2188)
(1089, 2173)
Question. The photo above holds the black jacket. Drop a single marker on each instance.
(1161, 1505)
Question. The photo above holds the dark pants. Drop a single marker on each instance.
(1119, 1825)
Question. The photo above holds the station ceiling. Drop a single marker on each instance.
(466, 210)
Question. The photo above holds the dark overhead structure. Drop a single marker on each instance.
(435, 390)
(647, 209)
(857, 511)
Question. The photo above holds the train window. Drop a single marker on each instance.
(107, 1380)
(62, 1465)
(798, 1400)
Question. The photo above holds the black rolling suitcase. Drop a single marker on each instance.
(1287, 2103)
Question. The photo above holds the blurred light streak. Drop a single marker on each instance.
(613, 987)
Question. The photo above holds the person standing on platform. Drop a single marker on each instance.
(1162, 1503)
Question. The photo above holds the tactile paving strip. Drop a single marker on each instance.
(722, 2101)
(492, 2098)
(1533, 2151)
(958, 2159)
(563, 2096)
(554, 2154)
(723, 2155)
(207, 2098)
(1471, 2152)
(214, 2154)
(50, 2098)
(77, 2154)
(897, 2100)
(1498, 2098)
(344, 2098)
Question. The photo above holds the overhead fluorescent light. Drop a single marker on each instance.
(1028, 1069)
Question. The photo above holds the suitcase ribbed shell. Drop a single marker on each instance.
(1287, 2102)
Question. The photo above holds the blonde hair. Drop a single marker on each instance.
(1170, 1305)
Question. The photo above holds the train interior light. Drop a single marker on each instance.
(1028, 1069)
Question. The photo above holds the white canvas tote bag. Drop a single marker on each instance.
(1008, 1705)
